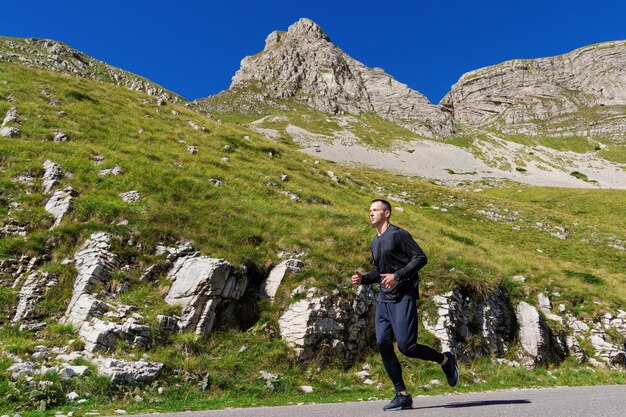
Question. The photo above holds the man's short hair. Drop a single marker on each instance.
(386, 204)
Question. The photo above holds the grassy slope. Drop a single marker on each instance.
(247, 221)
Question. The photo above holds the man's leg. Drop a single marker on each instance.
(384, 341)
(404, 326)
(405, 329)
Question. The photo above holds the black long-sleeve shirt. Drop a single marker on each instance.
(396, 252)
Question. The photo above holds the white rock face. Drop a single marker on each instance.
(123, 371)
(51, 176)
(519, 96)
(60, 203)
(33, 290)
(530, 332)
(329, 324)
(486, 320)
(269, 287)
(11, 116)
(199, 286)
(131, 196)
(94, 262)
(539, 343)
(304, 64)
(116, 170)
(10, 132)
(99, 335)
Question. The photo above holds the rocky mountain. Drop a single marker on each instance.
(581, 93)
(303, 63)
(55, 56)
(557, 121)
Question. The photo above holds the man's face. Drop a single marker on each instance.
(378, 214)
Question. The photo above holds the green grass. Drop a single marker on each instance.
(247, 221)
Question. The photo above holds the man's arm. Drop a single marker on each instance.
(411, 249)
(373, 276)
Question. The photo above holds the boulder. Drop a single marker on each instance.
(330, 326)
(539, 344)
(32, 292)
(116, 170)
(99, 335)
(94, 263)
(51, 176)
(60, 203)
(200, 284)
(131, 196)
(472, 326)
(128, 372)
(11, 116)
(9, 132)
(270, 285)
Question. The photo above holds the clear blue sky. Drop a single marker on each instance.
(194, 47)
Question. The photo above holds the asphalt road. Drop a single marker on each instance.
(598, 401)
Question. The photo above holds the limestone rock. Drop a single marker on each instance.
(60, 137)
(270, 285)
(9, 132)
(546, 96)
(51, 176)
(99, 335)
(32, 292)
(116, 170)
(94, 263)
(538, 341)
(200, 285)
(11, 116)
(131, 196)
(487, 321)
(330, 326)
(60, 203)
(123, 371)
(302, 63)
(21, 368)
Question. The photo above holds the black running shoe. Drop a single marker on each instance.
(401, 402)
(450, 369)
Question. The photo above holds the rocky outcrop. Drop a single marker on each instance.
(270, 285)
(60, 203)
(34, 288)
(53, 173)
(124, 371)
(12, 116)
(302, 63)
(580, 93)
(10, 132)
(56, 56)
(94, 263)
(201, 285)
(330, 325)
(472, 326)
(540, 345)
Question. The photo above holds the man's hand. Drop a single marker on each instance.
(388, 280)
(357, 278)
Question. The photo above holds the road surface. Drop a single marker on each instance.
(597, 401)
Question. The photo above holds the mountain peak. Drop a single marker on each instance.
(309, 29)
(303, 64)
(302, 29)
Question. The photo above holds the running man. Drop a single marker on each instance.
(397, 260)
